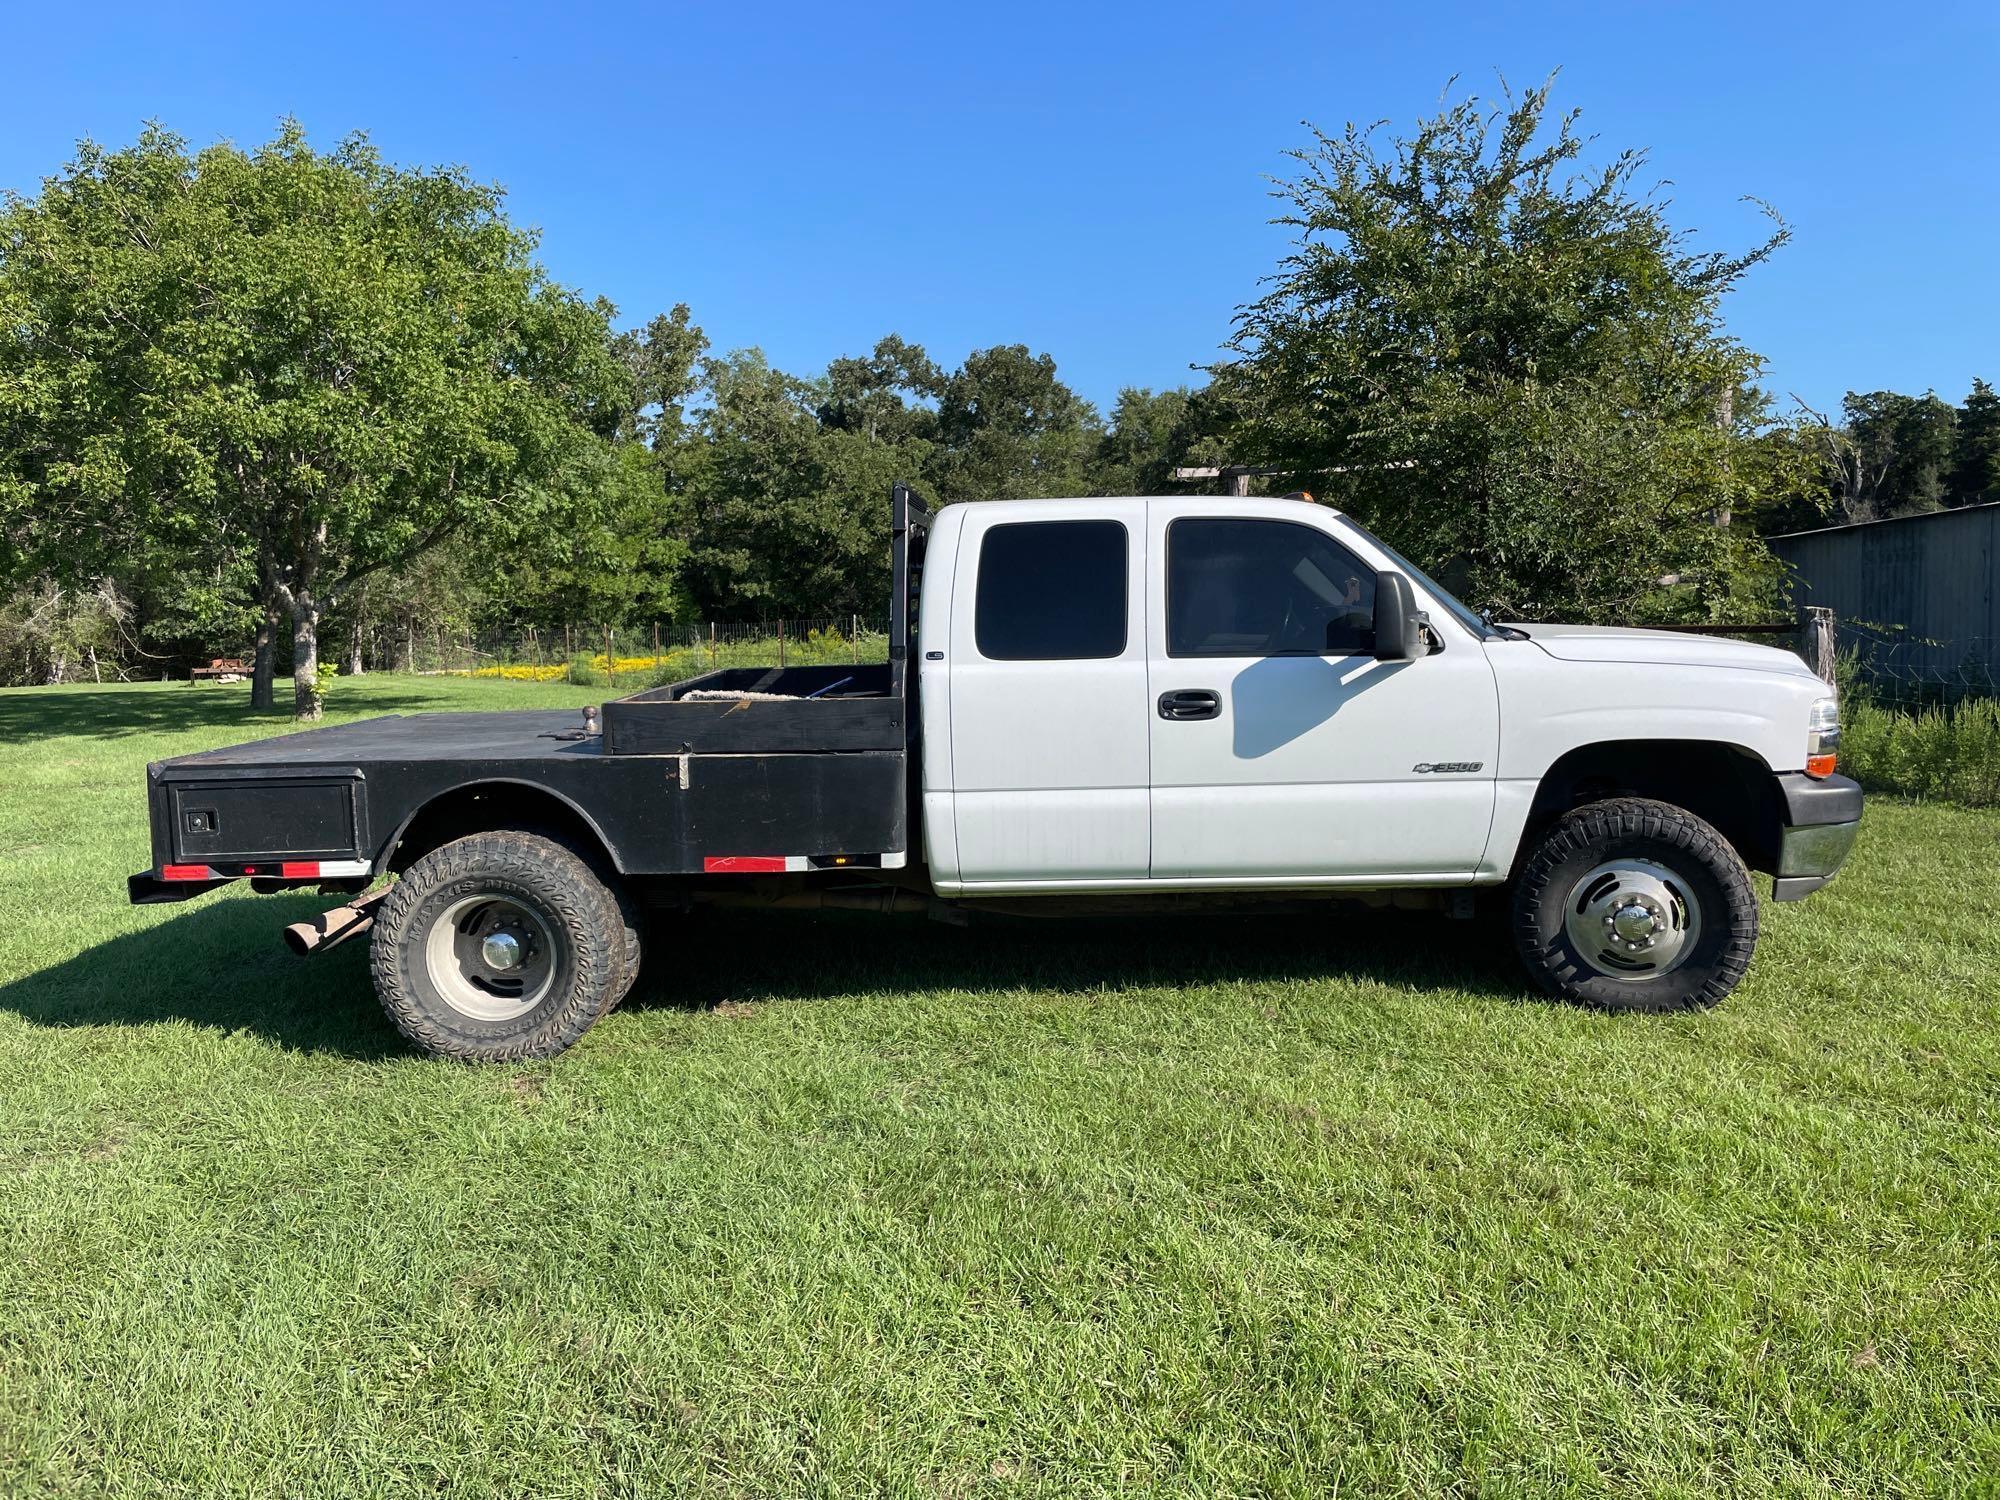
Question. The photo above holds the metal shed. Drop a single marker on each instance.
(1917, 597)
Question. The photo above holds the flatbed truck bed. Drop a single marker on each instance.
(737, 771)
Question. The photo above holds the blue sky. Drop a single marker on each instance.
(1088, 180)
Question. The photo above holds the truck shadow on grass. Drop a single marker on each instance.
(220, 965)
(747, 957)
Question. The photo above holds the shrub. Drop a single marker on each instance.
(1951, 754)
(584, 671)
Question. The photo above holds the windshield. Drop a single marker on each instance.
(1459, 612)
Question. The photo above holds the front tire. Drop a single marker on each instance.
(498, 947)
(1632, 904)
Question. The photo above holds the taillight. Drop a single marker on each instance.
(1822, 737)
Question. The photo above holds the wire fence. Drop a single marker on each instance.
(1890, 666)
(1899, 668)
(634, 655)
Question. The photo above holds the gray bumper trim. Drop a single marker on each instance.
(1818, 799)
(1809, 856)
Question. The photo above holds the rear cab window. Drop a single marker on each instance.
(1051, 591)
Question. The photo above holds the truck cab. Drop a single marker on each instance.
(1138, 701)
(1191, 693)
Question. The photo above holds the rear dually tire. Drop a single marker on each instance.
(498, 947)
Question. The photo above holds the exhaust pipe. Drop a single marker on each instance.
(332, 928)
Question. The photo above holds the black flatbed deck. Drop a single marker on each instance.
(512, 734)
(741, 770)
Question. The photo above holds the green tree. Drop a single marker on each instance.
(1891, 454)
(884, 396)
(1152, 433)
(1510, 364)
(784, 517)
(1008, 429)
(318, 360)
(664, 362)
(1975, 457)
(622, 567)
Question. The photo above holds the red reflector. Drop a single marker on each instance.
(1819, 765)
(186, 872)
(744, 864)
(304, 869)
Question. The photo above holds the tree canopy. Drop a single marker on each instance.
(1508, 361)
(318, 364)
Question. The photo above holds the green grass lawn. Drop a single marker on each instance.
(849, 1206)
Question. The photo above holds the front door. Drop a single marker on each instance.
(1048, 695)
(1282, 750)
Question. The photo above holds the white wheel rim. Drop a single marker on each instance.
(492, 958)
(1632, 919)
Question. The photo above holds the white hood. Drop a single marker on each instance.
(1623, 643)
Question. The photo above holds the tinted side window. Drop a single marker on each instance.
(1051, 591)
(1265, 588)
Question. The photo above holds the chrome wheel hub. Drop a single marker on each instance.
(1631, 919)
(502, 950)
(491, 958)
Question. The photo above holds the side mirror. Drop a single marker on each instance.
(1399, 624)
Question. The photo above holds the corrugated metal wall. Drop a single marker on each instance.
(1917, 598)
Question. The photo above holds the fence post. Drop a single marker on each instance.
(610, 660)
(656, 646)
(711, 645)
(781, 643)
(1817, 630)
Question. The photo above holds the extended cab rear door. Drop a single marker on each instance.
(1047, 692)
(1282, 750)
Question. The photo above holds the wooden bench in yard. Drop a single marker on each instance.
(222, 669)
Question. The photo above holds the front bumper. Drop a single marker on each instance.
(1822, 817)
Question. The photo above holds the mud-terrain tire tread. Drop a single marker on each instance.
(563, 885)
(1598, 830)
(631, 913)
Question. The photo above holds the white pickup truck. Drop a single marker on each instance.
(1088, 703)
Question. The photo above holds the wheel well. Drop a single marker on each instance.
(491, 806)
(1725, 785)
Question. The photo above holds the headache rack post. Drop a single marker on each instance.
(909, 518)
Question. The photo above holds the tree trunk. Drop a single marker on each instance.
(1725, 418)
(305, 659)
(352, 666)
(296, 588)
(263, 667)
(403, 653)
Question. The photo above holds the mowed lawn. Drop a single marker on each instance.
(855, 1206)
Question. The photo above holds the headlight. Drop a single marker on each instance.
(1822, 737)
